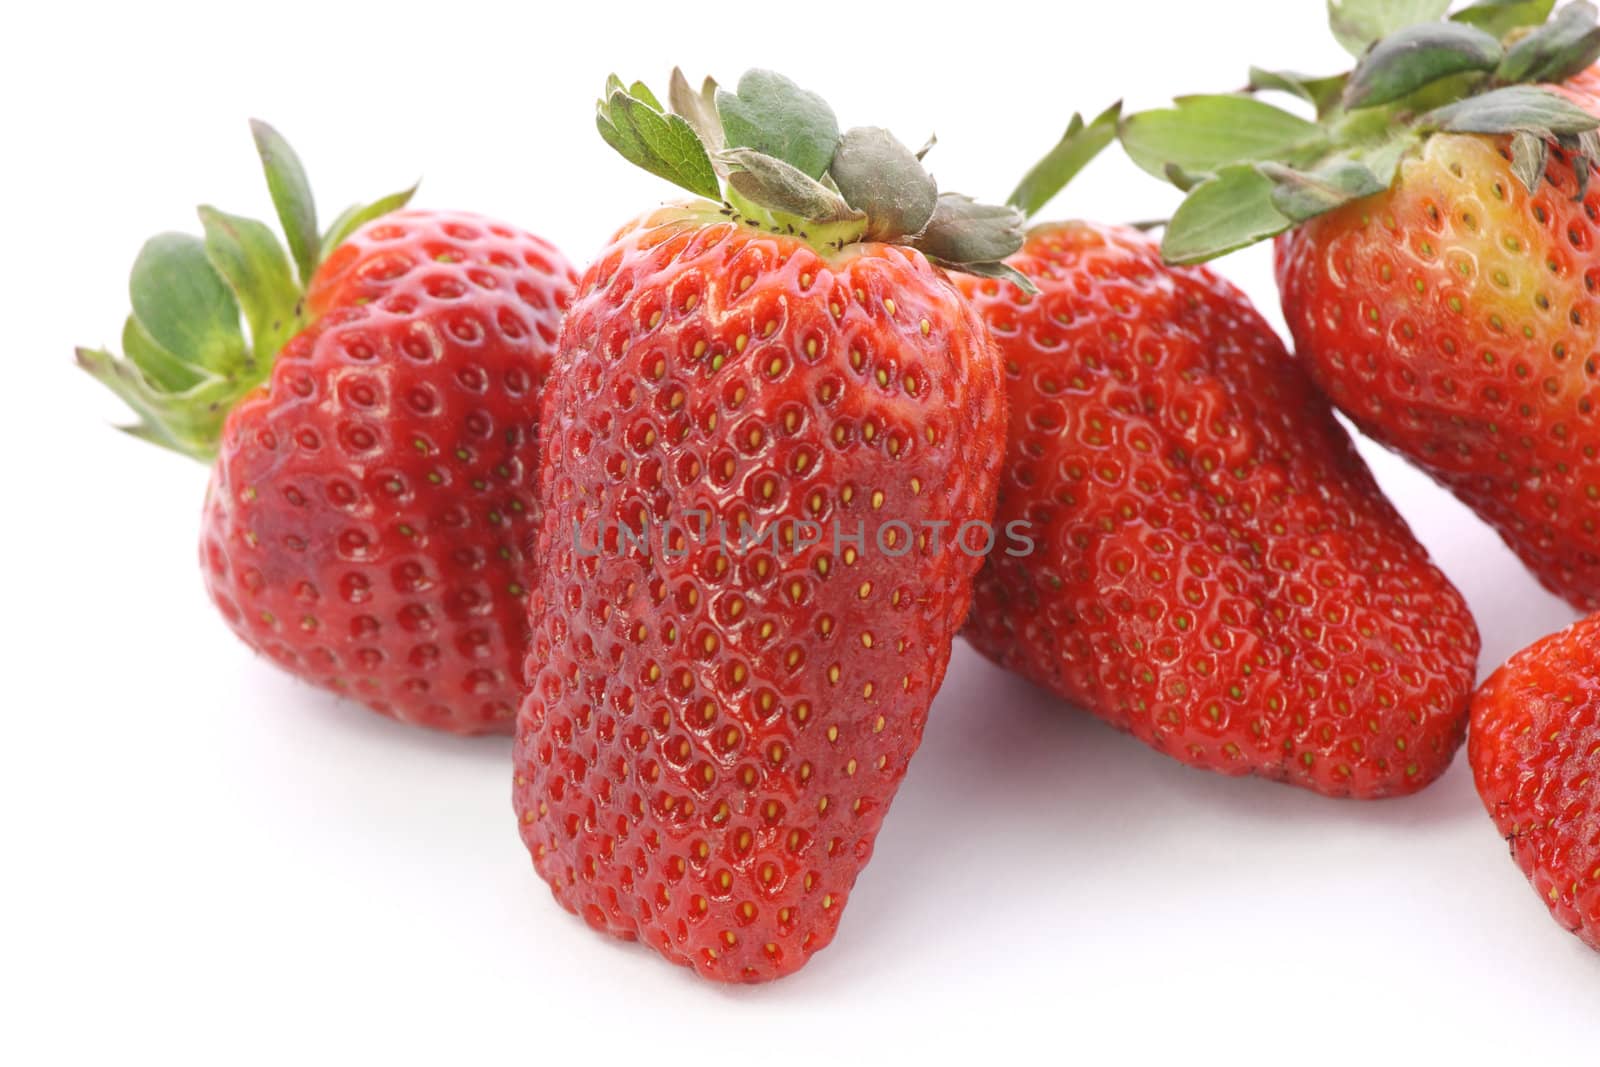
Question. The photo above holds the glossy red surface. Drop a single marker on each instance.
(1217, 572)
(714, 733)
(369, 512)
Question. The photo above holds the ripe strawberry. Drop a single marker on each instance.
(1216, 572)
(374, 437)
(795, 409)
(1440, 272)
(1535, 755)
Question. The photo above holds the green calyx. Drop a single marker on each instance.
(211, 313)
(1253, 170)
(773, 156)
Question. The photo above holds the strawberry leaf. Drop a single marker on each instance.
(1203, 133)
(776, 117)
(1500, 17)
(632, 122)
(291, 197)
(1556, 51)
(1224, 213)
(1358, 23)
(1408, 59)
(1077, 147)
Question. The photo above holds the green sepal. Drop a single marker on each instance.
(964, 232)
(1322, 93)
(1180, 178)
(1416, 77)
(356, 216)
(249, 258)
(1356, 24)
(1500, 17)
(1382, 159)
(1562, 47)
(773, 153)
(184, 305)
(1530, 154)
(1514, 109)
(1405, 61)
(998, 269)
(633, 123)
(1199, 134)
(774, 116)
(883, 179)
(159, 366)
(187, 421)
(1227, 212)
(186, 360)
(291, 197)
(1076, 149)
(699, 110)
(1302, 195)
(783, 198)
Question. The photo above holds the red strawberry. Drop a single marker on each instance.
(1216, 570)
(1440, 273)
(374, 437)
(1535, 754)
(716, 726)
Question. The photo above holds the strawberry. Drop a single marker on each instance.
(1535, 755)
(773, 413)
(373, 436)
(1438, 259)
(1217, 572)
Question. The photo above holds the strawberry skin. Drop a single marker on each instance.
(1216, 571)
(1452, 317)
(1535, 755)
(369, 507)
(712, 735)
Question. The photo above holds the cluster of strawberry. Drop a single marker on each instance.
(468, 487)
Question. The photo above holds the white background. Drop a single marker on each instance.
(207, 859)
